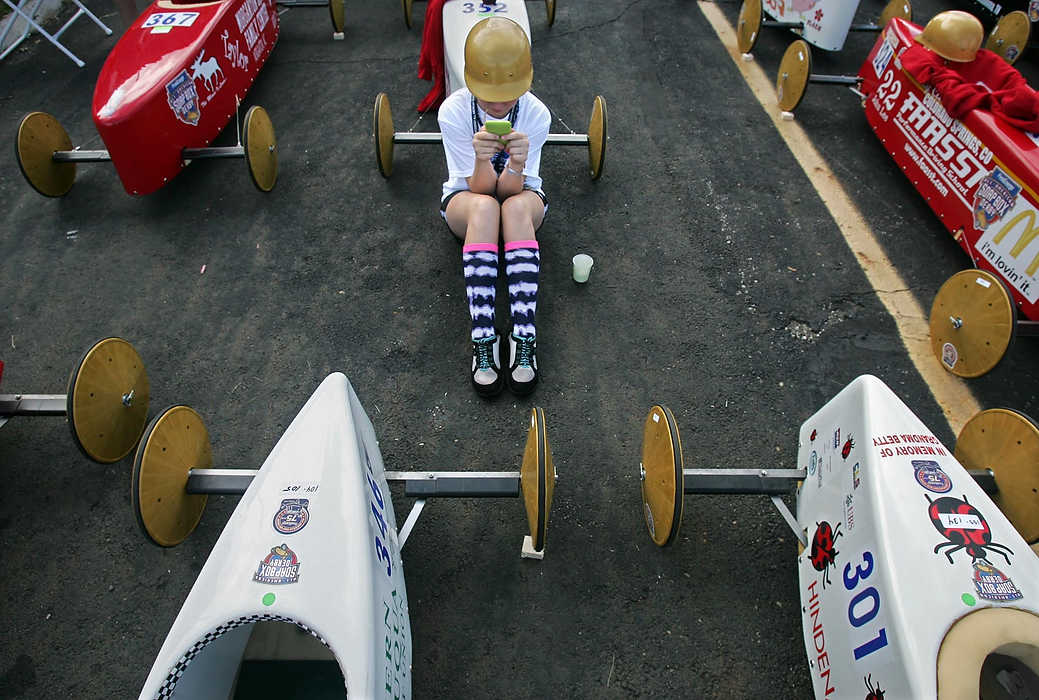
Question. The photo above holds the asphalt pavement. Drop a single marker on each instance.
(722, 288)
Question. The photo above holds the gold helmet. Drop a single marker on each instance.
(497, 60)
(954, 35)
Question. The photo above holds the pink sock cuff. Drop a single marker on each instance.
(476, 247)
(513, 245)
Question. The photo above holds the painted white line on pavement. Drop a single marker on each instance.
(951, 392)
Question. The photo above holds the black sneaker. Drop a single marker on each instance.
(523, 369)
(488, 378)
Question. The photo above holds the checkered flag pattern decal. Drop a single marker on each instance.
(170, 684)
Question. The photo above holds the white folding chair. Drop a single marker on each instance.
(27, 10)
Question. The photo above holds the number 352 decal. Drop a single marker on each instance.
(483, 7)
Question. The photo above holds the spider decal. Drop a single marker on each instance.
(964, 527)
(874, 693)
(824, 553)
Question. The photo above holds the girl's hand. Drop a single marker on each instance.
(517, 145)
(486, 145)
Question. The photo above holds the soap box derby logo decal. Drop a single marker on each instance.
(293, 516)
(183, 98)
(281, 566)
(994, 197)
(930, 475)
(993, 584)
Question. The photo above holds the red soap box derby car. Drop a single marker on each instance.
(980, 175)
(166, 90)
(175, 80)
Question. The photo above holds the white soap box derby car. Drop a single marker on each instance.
(913, 583)
(313, 546)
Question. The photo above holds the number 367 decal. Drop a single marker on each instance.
(170, 19)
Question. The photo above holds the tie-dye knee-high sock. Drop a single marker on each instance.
(522, 266)
(480, 267)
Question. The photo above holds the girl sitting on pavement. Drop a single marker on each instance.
(493, 192)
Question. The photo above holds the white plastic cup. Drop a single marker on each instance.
(582, 267)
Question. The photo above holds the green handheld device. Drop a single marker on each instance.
(498, 126)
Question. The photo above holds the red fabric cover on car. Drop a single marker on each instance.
(987, 82)
(431, 56)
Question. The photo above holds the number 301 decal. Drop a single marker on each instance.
(483, 7)
(864, 605)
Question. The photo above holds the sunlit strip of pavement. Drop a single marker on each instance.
(952, 394)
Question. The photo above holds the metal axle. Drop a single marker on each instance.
(772, 482)
(778, 482)
(431, 137)
(782, 25)
(422, 485)
(33, 404)
(227, 482)
(834, 79)
(458, 484)
(186, 154)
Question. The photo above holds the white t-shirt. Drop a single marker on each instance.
(456, 128)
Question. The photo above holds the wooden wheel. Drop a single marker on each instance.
(537, 479)
(1007, 442)
(175, 442)
(1010, 37)
(663, 479)
(748, 25)
(107, 400)
(337, 11)
(972, 323)
(383, 125)
(792, 79)
(597, 137)
(261, 148)
(39, 136)
(902, 9)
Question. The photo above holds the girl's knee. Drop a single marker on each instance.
(520, 218)
(484, 207)
(516, 210)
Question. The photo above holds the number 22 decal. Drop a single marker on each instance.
(895, 87)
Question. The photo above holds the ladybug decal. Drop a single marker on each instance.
(846, 450)
(964, 527)
(824, 554)
(812, 436)
(874, 693)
